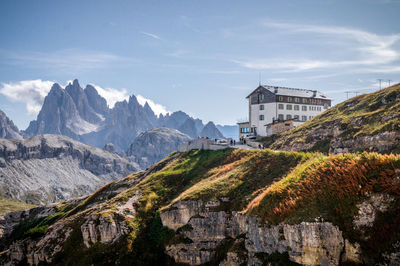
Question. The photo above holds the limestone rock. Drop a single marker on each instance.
(47, 168)
(7, 128)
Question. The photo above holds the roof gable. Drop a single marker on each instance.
(259, 89)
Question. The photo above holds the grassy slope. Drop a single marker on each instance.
(278, 187)
(11, 206)
(367, 114)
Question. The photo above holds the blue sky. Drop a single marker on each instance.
(202, 57)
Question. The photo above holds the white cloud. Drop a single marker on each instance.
(361, 49)
(157, 108)
(30, 92)
(152, 35)
(68, 60)
(112, 95)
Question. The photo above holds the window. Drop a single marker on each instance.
(326, 106)
(244, 130)
(304, 100)
(296, 108)
(310, 117)
(289, 99)
(280, 117)
(280, 106)
(319, 108)
(304, 108)
(288, 117)
(296, 117)
(261, 117)
(304, 118)
(262, 107)
(280, 98)
(310, 108)
(260, 97)
(288, 107)
(296, 100)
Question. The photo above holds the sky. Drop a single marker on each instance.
(201, 57)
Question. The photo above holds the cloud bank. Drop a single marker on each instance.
(30, 92)
(157, 108)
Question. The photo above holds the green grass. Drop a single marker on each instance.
(277, 187)
(364, 115)
(11, 206)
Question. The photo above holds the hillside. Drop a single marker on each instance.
(48, 168)
(225, 207)
(367, 122)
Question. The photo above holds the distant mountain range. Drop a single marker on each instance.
(84, 115)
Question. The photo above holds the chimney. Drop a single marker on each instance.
(314, 94)
(276, 90)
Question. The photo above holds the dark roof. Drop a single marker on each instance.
(291, 92)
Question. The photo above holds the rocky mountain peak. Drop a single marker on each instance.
(211, 131)
(56, 89)
(7, 128)
(98, 103)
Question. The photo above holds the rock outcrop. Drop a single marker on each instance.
(153, 145)
(204, 230)
(7, 128)
(47, 168)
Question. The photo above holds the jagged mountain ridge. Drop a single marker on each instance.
(7, 128)
(83, 115)
(366, 122)
(226, 207)
(48, 168)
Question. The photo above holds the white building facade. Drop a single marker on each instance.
(269, 104)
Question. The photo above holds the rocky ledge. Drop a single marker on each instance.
(202, 231)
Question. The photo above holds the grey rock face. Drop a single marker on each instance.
(7, 128)
(81, 102)
(47, 168)
(189, 128)
(211, 131)
(98, 103)
(306, 243)
(153, 145)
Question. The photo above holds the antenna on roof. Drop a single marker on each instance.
(380, 82)
(259, 78)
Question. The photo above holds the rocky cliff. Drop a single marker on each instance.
(367, 122)
(7, 128)
(47, 168)
(153, 145)
(226, 207)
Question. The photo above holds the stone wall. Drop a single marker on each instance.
(201, 144)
